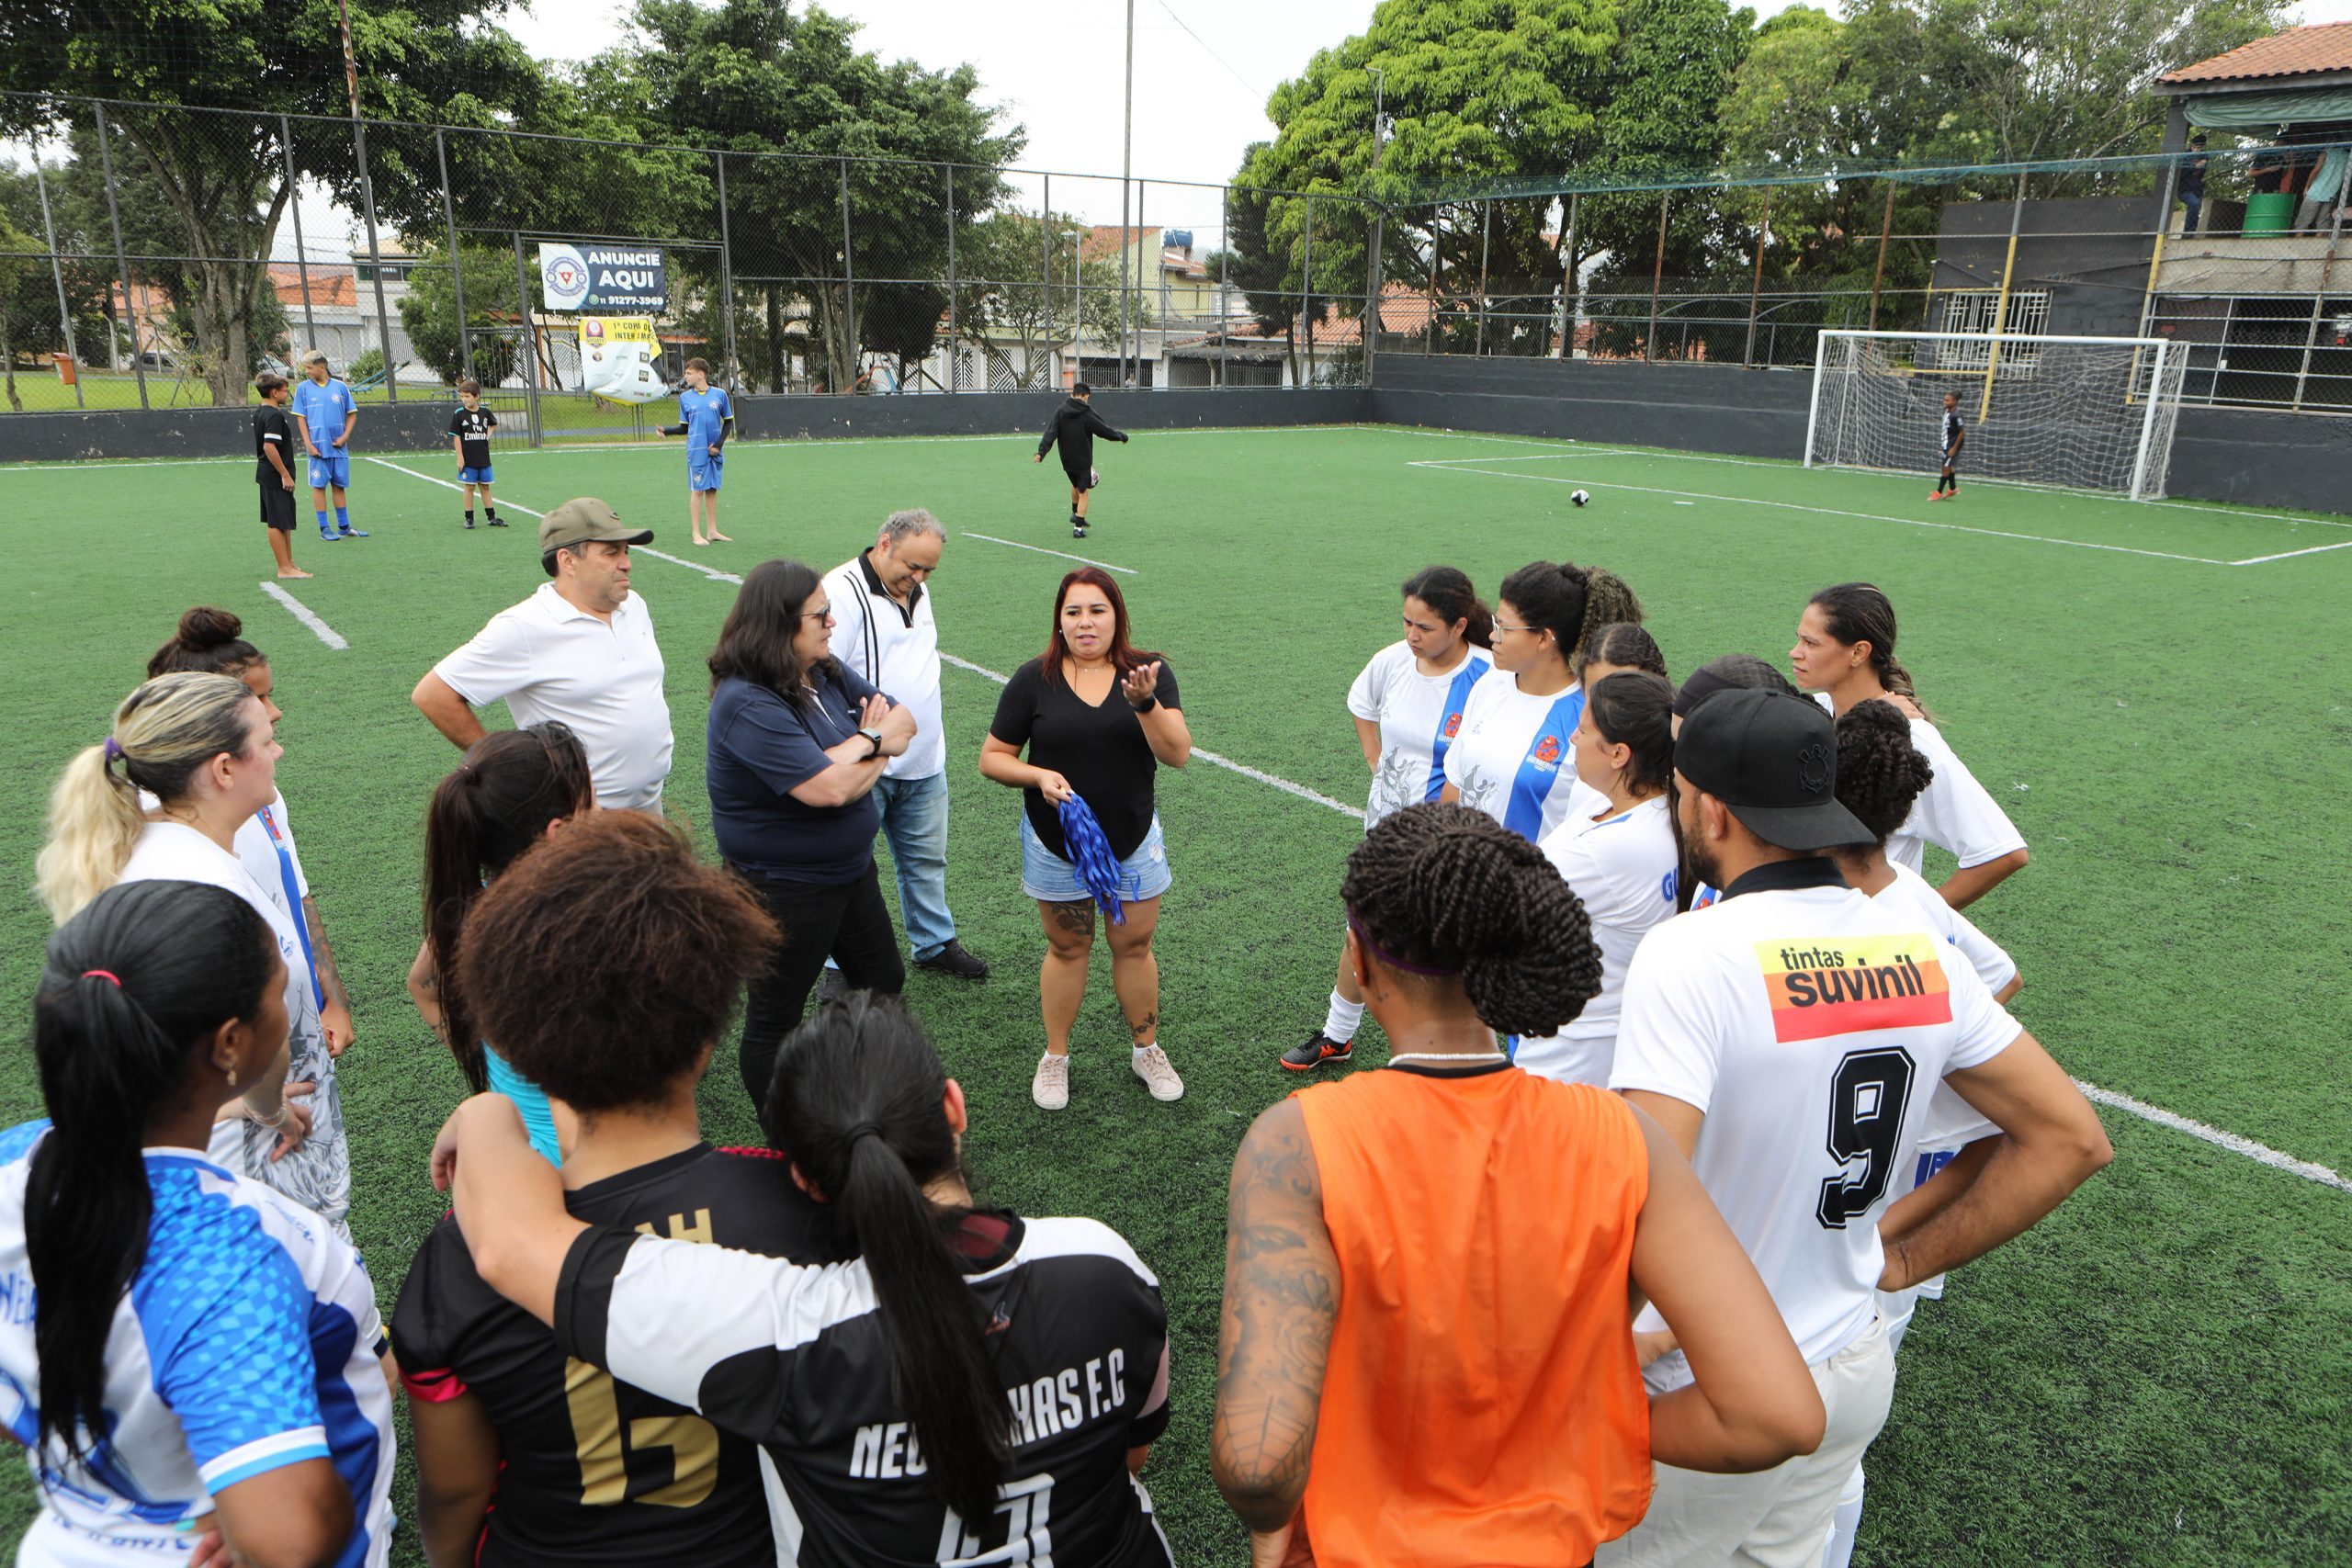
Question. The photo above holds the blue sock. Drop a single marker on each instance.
(322, 522)
(342, 517)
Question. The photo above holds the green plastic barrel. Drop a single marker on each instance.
(2269, 213)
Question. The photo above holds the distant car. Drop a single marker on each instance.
(156, 359)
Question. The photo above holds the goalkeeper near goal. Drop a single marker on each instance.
(1955, 437)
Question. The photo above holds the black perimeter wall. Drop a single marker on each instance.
(2244, 456)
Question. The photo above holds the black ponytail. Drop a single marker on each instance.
(1880, 772)
(497, 804)
(1635, 709)
(1449, 891)
(1449, 592)
(858, 1102)
(1860, 612)
(133, 983)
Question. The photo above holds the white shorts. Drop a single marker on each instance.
(1778, 1518)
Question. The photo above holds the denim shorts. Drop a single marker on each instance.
(1045, 875)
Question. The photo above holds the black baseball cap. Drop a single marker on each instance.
(1773, 761)
(1733, 671)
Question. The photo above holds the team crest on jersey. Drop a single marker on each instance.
(1452, 725)
(1548, 749)
(1823, 986)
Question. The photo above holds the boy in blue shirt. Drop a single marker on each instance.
(706, 416)
(324, 411)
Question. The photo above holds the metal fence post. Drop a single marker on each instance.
(1308, 310)
(1658, 272)
(375, 261)
(1878, 278)
(1485, 250)
(1045, 287)
(2001, 301)
(726, 273)
(954, 351)
(1135, 371)
(456, 260)
(1225, 288)
(849, 289)
(1368, 321)
(301, 250)
(529, 342)
(1565, 347)
(1755, 286)
(121, 265)
(57, 274)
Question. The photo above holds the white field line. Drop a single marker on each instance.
(1086, 560)
(812, 443)
(2259, 1153)
(1244, 769)
(2289, 555)
(445, 484)
(1546, 448)
(121, 463)
(712, 573)
(1449, 466)
(304, 613)
(2262, 1154)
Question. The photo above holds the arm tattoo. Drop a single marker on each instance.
(1281, 1300)
(322, 956)
(1077, 918)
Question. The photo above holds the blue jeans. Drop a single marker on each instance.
(914, 822)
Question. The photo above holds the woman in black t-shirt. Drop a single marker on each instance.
(796, 743)
(1099, 716)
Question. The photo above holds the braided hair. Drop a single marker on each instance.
(1623, 644)
(1449, 890)
(1880, 772)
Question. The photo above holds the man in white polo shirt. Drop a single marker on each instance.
(579, 650)
(882, 629)
(1789, 1037)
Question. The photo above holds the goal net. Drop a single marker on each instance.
(2081, 413)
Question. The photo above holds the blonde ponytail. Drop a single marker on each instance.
(94, 823)
(164, 732)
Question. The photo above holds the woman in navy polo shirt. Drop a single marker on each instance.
(796, 744)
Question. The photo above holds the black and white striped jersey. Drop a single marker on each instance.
(795, 1358)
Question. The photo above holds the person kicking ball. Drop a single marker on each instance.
(1073, 428)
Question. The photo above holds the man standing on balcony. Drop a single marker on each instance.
(2191, 184)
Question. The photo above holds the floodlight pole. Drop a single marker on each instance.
(1126, 173)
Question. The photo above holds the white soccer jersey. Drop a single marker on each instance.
(248, 1341)
(1511, 759)
(1955, 812)
(1812, 1025)
(1418, 716)
(1953, 1122)
(1622, 867)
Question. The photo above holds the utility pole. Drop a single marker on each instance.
(1127, 171)
(1371, 319)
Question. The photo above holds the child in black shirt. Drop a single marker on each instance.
(273, 440)
(469, 429)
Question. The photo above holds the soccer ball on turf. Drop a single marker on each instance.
(1578, 497)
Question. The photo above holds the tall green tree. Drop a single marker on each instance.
(429, 313)
(1006, 309)
(831, 203)
(221, 177)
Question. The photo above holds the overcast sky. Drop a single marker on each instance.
(1203, 69)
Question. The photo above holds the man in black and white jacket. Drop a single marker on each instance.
(882, 629)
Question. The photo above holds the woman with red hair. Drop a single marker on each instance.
(1098, 716)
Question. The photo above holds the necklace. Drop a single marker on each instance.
(1453, 1057)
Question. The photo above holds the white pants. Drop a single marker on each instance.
(1778, 1518)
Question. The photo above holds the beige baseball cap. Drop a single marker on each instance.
(586, 520)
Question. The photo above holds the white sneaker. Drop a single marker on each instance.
(1152, 1066)
(1050, 1087)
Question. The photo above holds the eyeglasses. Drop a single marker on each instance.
(1507, 626)
(824, 612)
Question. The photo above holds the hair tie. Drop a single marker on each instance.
(108, 975)
(114, 748)
(1388, 958)
(862, 1130)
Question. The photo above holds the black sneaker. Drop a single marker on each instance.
(1078, 531)
(498, 521)
(470, 523)
(954, 962)
(1314, 1051)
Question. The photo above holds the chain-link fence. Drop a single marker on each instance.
(159, 257)
(2237, 254)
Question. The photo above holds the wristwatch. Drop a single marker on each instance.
(873, 743)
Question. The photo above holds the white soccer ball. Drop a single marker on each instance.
(1578, 497)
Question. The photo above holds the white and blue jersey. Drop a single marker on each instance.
(1511, 758)
(704, 415)
(248, 1341)
(1418, 716)
(323, 407)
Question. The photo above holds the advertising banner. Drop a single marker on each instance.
(620, 358)
(588, 278)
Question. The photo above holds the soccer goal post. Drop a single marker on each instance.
(2093, 413)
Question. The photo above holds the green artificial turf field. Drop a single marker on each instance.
(2157, 1375)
